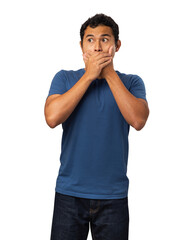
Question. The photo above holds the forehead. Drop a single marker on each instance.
(98, 31)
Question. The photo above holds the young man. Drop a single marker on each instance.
(96, 106)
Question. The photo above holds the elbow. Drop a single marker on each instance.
(138, 125)
(140, 122)
(51, 123)
(50, 118)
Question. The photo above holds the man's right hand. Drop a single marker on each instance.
(95, 62)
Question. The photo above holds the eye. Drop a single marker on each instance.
(90, 40)
(105, 39)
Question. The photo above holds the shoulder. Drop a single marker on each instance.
(59, 74)
(130, 79)
(71, 73)
(134, 84)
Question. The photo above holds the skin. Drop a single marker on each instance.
(98, 50)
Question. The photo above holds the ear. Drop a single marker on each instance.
(81, 46)
(118, 46)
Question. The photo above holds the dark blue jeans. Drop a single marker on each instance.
(108, 218)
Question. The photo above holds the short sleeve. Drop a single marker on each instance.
(137, 87)
(58, 84)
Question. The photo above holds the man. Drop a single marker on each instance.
(96, 106)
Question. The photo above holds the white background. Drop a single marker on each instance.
(39, 38)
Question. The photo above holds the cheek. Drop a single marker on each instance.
(88, 48)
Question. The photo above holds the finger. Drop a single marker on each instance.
(85, 55)
(111, 50)
(85, 60)
(104, 64)
(103, 60)
(102, 55)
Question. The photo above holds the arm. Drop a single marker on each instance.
(58, 107)
(134, 110)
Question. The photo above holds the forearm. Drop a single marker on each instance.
(133, 109)
(60, 108)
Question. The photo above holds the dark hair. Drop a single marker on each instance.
(100, 19)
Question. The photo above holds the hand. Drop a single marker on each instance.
(109, 68)
(95, 62)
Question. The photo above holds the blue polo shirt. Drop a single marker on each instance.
(94, 147)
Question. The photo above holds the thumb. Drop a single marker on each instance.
(111, 50)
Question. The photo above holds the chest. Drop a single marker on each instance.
(99, 96)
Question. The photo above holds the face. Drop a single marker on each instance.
(99, 39)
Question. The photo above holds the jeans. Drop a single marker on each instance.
(108, 218)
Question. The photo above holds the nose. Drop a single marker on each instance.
(98, 47)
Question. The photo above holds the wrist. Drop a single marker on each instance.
(108, 73)
(111, 75)
(88, 77)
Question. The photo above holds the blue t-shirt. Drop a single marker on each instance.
(94, 147)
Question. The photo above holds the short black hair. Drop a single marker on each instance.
(100, 19)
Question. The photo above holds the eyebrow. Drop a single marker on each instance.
(103, 35)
